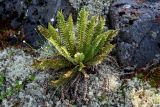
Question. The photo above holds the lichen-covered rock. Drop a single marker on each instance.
(104, 88)
(26, 15)
(95, 7)
(139, 24)
(15, 64)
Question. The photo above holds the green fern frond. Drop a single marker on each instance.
(71, 35)
(64, 78)
(62, 28)
(81, 28)
(49, 35)
(101, 56)
(53, 33)
(79, 57)
(99, 42)
(56, 64)
(91, 49)
(111, 34)
(87, 46)
(96, 43)
(89, 32)
(44, 31)
(61, 49)
(99, 27)
(107, 37)
(64, 52)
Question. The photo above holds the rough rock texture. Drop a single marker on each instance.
(139, 24)
(15, 64)
(104, 89)
(27, 14)
(95, 7)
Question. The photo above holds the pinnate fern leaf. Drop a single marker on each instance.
(61, 49)
(71, 35)
(107, 37)
(54, 33)
(81, 28)
(89, 32)
(64, 78)
(111, 34)
(64, 52)
(87, 46)
(62, 28)
(44, 31)
(100, 26)
(90, 53)
(101, 56)
(56, 64)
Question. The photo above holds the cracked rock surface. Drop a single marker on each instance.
(139, 24)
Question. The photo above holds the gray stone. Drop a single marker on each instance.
(26, 15)
(139, 24)
(95, 7)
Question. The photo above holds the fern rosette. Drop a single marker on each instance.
(84, 45)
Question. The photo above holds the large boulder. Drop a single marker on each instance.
(138, 42)
(25, 15)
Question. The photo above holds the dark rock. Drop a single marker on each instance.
(139, 24)
(26, 15)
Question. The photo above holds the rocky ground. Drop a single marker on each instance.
(133, 82)
(104, 89)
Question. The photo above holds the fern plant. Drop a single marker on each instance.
(78, 47)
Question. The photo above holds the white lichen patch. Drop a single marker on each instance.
(142, 94)
(16, 64)
(95, 7)
(104, 88)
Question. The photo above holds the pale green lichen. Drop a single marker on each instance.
(20, 85)
(108, 90)
(142, 94)
(15, 63)
(104, 90)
